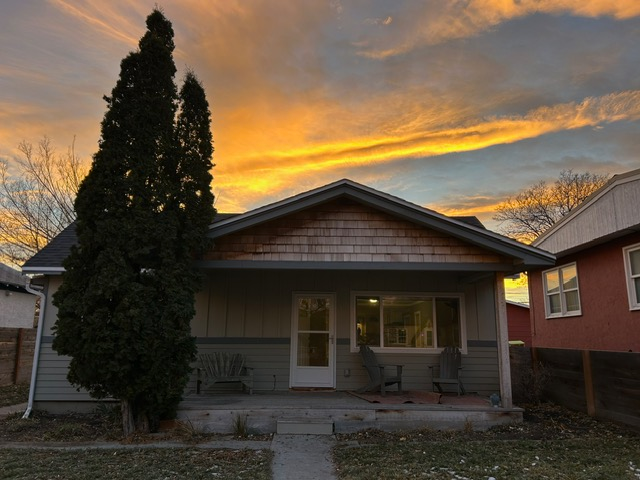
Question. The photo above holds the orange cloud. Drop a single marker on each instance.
(250, 174)
(107, 17)
(285, 118)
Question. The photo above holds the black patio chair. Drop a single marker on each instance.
(448, 372)
(378, 377)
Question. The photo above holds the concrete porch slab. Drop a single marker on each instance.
(262, 410)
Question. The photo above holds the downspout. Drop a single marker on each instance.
(36, 353)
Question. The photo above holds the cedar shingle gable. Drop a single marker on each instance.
(343, 230)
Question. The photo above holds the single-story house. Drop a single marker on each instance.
(17, 304)
(299, 284)
(591, 299)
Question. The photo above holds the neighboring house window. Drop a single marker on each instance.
(561, 291)
(632, 267)
(408, 321)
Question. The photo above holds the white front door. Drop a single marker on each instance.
(313, 341)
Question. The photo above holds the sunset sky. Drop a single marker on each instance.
(451, 105)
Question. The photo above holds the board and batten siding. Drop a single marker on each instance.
(345, 231)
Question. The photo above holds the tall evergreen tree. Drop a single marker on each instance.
(128, 289)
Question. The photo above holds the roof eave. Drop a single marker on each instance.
(35, 270)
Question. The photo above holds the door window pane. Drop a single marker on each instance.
(313, 349)
(313, 314)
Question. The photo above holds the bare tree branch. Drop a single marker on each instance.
(534, 210)
(36, 203)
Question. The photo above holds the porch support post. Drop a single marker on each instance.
(502, 338)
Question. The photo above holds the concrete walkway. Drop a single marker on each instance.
(6, 411)
(303, 457)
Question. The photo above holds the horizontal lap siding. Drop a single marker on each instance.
(266, 360)
(52, 383)
(479, 369)
(479, 373)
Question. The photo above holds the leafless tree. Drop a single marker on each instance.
(532, 211)
(36, 198)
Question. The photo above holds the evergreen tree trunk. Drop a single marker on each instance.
(128, 423)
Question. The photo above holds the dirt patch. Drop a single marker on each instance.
(14, 394)
(540, 422)
(100, 426)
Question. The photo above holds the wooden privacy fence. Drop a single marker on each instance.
(603, 384)
(16, 355)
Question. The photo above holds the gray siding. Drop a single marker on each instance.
(270, 362)
(271, 367)
(250, 312)
(52, 384)
(257, 304)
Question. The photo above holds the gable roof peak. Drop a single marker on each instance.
(472, 232)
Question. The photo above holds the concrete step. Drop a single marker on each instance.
(304, 426)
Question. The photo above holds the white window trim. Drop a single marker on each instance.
(563, 305)
(634, 303)
(352, 325)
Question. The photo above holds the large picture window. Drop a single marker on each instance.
(411, 321)
(562, 297)
(632, 269)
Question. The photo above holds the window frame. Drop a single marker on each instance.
(634, 302)
(413, 350)
(561, 292)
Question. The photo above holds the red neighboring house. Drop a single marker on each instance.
(591, 299)
(519, 323)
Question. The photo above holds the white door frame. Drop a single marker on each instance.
(312, 376)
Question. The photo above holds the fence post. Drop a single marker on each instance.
(589, 392)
